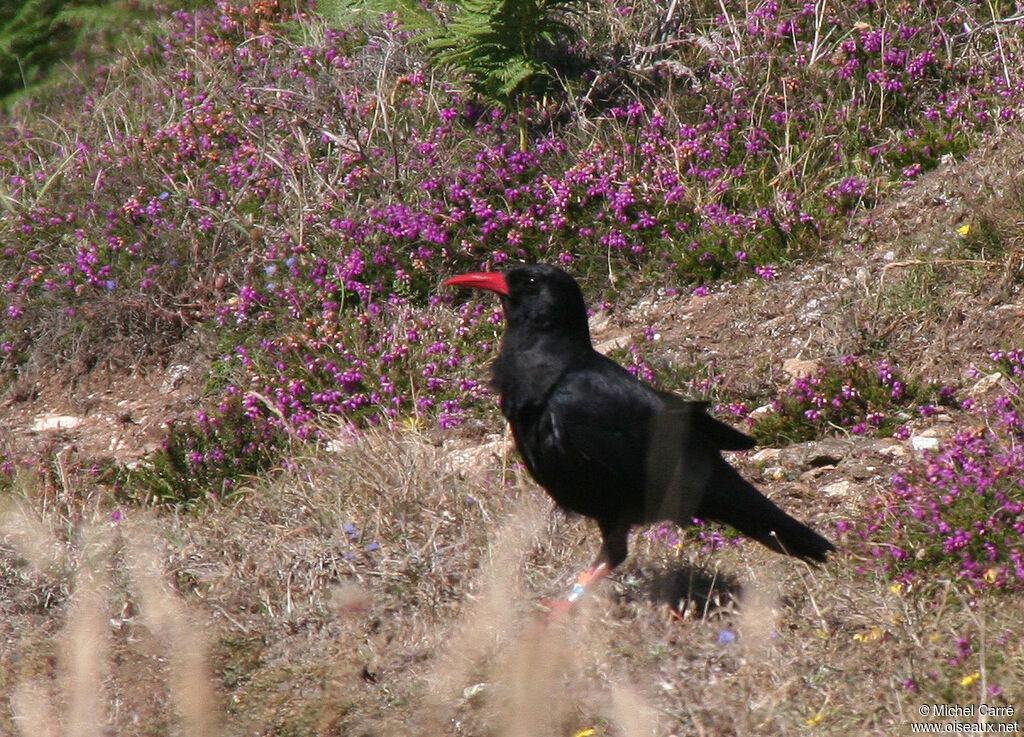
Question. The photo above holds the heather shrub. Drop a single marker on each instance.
(394, 362)
(303, 191)
(852, 397)
(1011, 364)
(8, 468)
(206, 458)
(955, 514)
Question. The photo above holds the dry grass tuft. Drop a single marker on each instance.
(631, 713)
(32, 707)
(379, 590)
(85, 643)
(25, 530)
(165, 615)
(486, 627)
(75, 694)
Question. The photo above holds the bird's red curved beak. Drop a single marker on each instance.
(489, 280)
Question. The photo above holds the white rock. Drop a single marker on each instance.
(56, 422)
(896, 450)
(615, 343)
(765, 455)
(985, 384)
(174, 376)
(924, 442)
(477, 689)
(842, 488)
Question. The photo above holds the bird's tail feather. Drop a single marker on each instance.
(729, 498)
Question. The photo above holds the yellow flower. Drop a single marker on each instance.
(412, 424)
(964, 229)
(586, 732)
(968, 680)
(896, 588)
(875, 633)
(815, 720)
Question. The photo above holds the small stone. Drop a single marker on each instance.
(615, 343)
(842, 488)
(766, 455)
(56, 422)
(477, 689)
(800, 368)
(860, 471)
(174, 376)
(924, 442)
(985, 384)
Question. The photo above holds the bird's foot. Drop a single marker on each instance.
(561, 607)
(557, 609)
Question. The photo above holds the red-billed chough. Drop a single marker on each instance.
(605, 444)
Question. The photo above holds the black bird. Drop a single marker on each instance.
(605, 444)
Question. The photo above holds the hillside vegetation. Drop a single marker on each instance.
(248, 457)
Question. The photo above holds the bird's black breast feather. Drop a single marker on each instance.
(586, 444)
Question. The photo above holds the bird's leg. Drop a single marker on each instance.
(588, 578)
(613, 551)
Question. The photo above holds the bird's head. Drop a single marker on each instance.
(536, 297)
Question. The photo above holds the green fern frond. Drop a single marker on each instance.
(88, 18)
(497, 45)
(516, 75)
(410, 14)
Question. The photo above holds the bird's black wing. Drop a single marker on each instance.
(707, 428)
(682, 446)
(611, 447)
